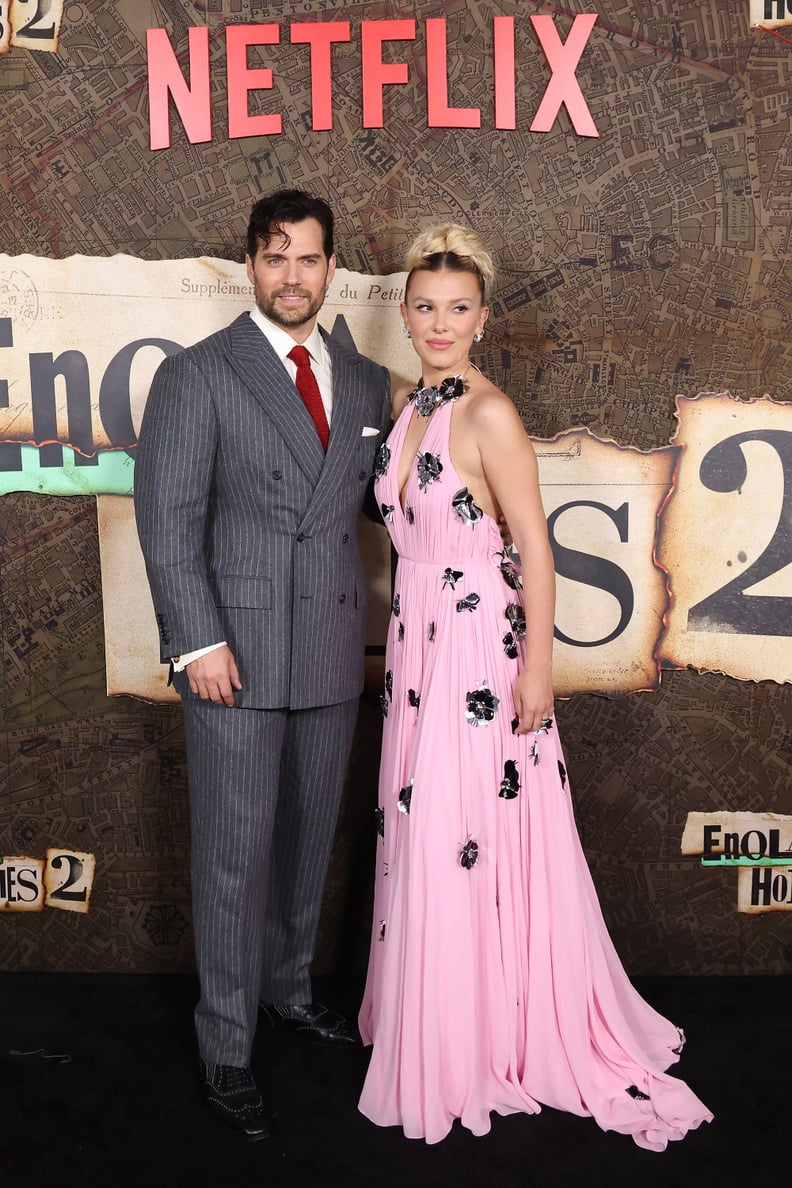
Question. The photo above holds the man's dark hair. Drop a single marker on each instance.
(287, 206)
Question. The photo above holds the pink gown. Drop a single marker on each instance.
(492, 982)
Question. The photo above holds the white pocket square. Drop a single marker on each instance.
(369, 431)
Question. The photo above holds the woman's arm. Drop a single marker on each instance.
(509, 464)
(400, 400)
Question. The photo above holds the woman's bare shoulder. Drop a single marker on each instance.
(488, 405)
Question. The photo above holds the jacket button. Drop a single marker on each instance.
(276, 474)
(345, 538)
(342, 598)
(301, 538)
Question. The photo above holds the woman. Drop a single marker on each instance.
(492, 983)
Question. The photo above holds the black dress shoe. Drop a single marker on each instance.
(233, 1096)
(314, 1021)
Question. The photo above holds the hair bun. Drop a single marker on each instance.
(460, 248)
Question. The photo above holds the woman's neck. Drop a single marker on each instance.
(432, 376)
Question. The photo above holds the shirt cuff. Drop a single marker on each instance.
(180, 662)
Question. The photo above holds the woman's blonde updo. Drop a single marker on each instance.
(455, 248)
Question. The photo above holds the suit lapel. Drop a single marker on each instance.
(262, 372)
(345, 422)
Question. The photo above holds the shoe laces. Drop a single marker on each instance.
(229, 1080)
(238, 1078)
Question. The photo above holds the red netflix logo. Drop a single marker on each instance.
(166, 78)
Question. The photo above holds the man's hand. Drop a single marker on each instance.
(214, 676)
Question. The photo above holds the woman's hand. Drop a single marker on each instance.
(533, 699)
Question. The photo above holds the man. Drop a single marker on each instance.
(247, 494)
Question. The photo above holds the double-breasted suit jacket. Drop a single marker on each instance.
(249, 530)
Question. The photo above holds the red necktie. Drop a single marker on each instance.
(309, 390)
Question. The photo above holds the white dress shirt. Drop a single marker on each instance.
(282, 343)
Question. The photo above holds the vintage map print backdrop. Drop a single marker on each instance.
(647, 263)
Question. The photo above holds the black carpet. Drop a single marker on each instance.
(99, 1088)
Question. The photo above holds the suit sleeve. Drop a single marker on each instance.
(173, 476)
(370, 506)
(387, 404)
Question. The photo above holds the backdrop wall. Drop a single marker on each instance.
(648, 262)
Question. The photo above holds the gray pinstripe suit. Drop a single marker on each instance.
(249, 532)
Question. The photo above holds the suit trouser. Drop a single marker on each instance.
(265, 787)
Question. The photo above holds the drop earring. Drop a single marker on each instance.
(406, 332)
(477, 337)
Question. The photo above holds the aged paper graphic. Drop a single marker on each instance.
(84, 336)
(602, 502)
(726, 539)
(76, 381)
(21, 884)
(757, 845)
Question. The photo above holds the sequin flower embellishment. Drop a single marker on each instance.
(510, 784)
(463, 504)
(482, 706)
(469, 602)
(405, 797)
(382, 461)
(429, 469)
(510, 572)
(427, 399)
(469, 854)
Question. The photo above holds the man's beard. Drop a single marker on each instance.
(285, 316)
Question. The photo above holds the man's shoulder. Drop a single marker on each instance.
(203, 356)
(345, 348)
(221, 340)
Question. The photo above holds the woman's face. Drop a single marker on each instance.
(442, 311)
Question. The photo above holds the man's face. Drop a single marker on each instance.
(290, 277)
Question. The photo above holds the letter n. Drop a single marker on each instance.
(165, 79)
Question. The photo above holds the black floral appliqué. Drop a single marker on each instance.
(427, 399)
(430, 631)
(405, 796)
(396, 605)
(389, 684)
(562, 774)
(469, 602)
(635, 1092)
(379, 817)
(382, 461)
(482, 705)
(469, 854)
(401, 632)
(463, 504)
(387, 512)
(516, 616)
(535, 752)
(382, 930)
(409, 514)
(414, 698)
(510, 646)
(510, 784)
(515, 722)
(510, 572)
(384, 705)
(429, 470)
(451, 577)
